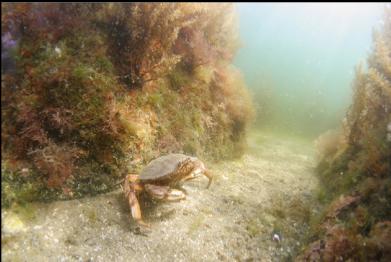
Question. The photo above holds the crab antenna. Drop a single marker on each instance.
(209, 176)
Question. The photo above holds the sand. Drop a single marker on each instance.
(234, 220)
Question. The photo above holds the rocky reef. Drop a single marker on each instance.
(92, 91)
(355, 171)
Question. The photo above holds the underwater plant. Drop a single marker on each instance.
(356, 175)
(93, 90)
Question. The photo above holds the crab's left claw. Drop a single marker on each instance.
(209, 176)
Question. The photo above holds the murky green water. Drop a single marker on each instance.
(299, 59)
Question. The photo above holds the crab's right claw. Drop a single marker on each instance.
(209, 176)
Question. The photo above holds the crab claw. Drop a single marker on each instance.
(197, 173)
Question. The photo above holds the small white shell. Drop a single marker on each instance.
(276, 238)
(58, 51)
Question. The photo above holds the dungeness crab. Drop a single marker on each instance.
(159, 179)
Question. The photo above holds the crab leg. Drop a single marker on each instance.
(135, 209)
(130, 191)
(209, 176)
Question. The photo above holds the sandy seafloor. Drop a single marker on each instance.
(233, 220)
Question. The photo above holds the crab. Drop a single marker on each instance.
(162, 179)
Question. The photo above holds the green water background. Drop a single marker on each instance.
(298, 60)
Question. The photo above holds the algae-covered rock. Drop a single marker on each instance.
(355, 172)
(97, 90)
